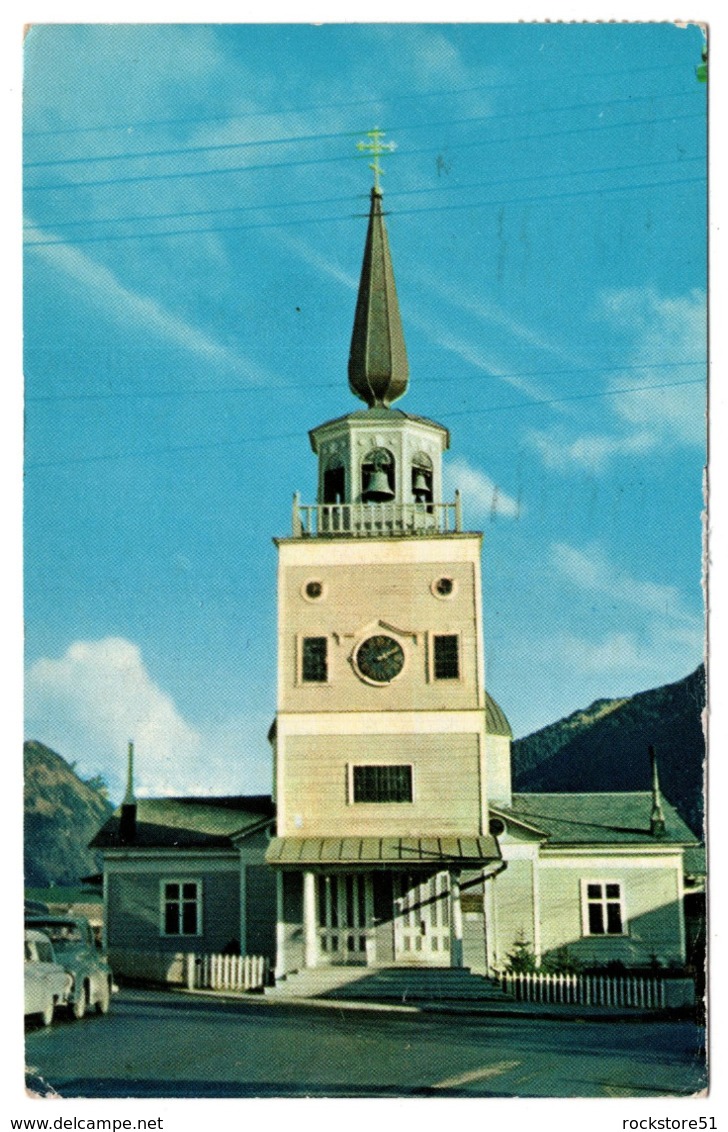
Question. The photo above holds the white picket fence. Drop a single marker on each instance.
(226, 972)
(638, 991)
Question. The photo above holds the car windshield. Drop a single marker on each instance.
(63, 935)
(38, 951)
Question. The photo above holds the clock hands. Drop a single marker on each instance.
(379, 659)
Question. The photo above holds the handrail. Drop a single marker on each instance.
(364, 520)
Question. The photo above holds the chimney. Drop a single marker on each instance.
(128, 819)
(657, 817)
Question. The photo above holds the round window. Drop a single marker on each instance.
(443, 587)
(496, 827)
(313, 590)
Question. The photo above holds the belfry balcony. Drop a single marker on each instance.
(375, 520)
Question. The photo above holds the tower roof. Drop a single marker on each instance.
(376, 416)
(378, 369)
(495, 719)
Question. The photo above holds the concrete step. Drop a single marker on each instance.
(393, 984)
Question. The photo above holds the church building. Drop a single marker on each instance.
(393, 837)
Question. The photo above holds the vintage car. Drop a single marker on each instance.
(47, 983)
(75, 948)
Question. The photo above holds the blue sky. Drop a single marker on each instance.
(194, 217)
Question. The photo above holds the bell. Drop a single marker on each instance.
(420, 487)
(378, 489)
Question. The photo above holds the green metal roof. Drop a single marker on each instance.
(597, 819)
(495, 720)
(189, 822)
(62, 894)
(380, 414)
(390, 851)
(695, 861)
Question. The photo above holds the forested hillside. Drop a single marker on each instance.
(604, 747)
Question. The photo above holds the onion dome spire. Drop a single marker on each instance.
(128, 817)
(378, 370)
(657, 817)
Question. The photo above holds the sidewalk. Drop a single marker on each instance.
(512, 1009)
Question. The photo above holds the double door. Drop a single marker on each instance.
(422, 919)
(345, 918)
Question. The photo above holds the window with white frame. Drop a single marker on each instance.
(446, 656)
(603, 907)
(314, 660)
(181, 907)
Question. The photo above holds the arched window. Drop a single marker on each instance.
(422, 478)
(334, 484)
(377, 476)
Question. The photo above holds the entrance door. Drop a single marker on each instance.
(422, 919)
(345, 918)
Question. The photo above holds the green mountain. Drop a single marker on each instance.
(605, 747)
(62, 814)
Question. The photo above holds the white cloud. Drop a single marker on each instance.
(672, 331)
(118, 90)
(433, 61)
(476, 357)
(497, 316)
(89, 702)
(590, 570)
(315, 259)
(100, 694)
(649, 659)
(626, 635)
(436, 58)
(592, 452)
(659, 398)
(481, 496)
(134, 309)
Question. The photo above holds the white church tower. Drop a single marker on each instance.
(381, 776)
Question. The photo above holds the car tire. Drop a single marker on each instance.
(46, 1015)
(78, 1006)
(104, 1000)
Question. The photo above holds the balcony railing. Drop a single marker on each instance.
(384, 520)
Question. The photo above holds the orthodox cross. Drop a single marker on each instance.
(376, 147)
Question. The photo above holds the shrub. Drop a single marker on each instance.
(521, 960)
(561, 962)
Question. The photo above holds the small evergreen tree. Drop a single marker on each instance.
(561, 962)
(521, 960)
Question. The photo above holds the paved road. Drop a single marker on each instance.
(160, 1044)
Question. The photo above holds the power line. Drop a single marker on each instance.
(294, 139)
(534, 200)
(215, 211)
(553, 196)
(246, 390)
(302, 162)
(482, 87)
(439, 188)
(304, 139)
(172, 450)
(573, 397)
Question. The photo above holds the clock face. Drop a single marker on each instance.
(380, 659)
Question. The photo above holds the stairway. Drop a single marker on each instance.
(401, 985)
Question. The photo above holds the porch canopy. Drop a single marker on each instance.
(383, 852)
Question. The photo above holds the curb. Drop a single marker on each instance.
(540, 1011)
